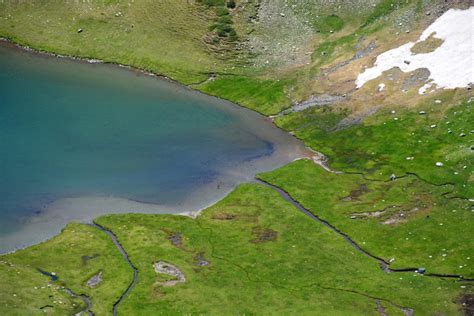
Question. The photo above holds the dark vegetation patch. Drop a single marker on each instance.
(384, 8)
(262, 235)
(85, 259)
(467, 304)
(200, 260)
(222, 27)
(329, 24)
(175, 238)
(50, 275)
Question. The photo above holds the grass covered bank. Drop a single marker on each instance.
(400, 141)
(140, 34)
(77, 254)
(251, 253)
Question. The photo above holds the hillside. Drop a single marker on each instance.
(382, 88)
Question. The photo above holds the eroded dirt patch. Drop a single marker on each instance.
(355, 194)
(391, 215)
(175, 238)
(223, 216)
(261, 235)
(467, 304)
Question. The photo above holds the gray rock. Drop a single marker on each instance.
(171, 270)
(94, 280)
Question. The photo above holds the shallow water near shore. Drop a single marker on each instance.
(78, 140)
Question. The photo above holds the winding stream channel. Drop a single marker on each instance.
(126, 258)
(384, 265)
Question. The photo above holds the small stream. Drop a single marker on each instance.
(126, 258)
(384, 265)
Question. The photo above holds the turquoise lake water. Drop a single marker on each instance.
(78, 140)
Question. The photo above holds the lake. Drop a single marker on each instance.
(78, 140)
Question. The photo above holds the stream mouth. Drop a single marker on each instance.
(79, 140)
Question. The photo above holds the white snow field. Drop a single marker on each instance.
(451, 65)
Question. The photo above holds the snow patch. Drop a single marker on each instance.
(451, 65)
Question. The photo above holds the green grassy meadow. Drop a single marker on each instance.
(399, 143)
(418, 226)
(263, 255)
(74, 256)
(139, 33)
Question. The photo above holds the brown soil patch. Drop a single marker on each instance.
(355, 194)
(261, 235)
(224, 216)
(400, 216)
(427, 46)
(174, 237)
(467, 304)
(200, 260)
(391, 215)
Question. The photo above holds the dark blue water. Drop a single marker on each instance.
(72, 129)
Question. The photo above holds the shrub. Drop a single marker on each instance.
(222, 11)
(231, 4)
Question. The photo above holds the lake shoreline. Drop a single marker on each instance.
(191, 212)
(90, 60)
